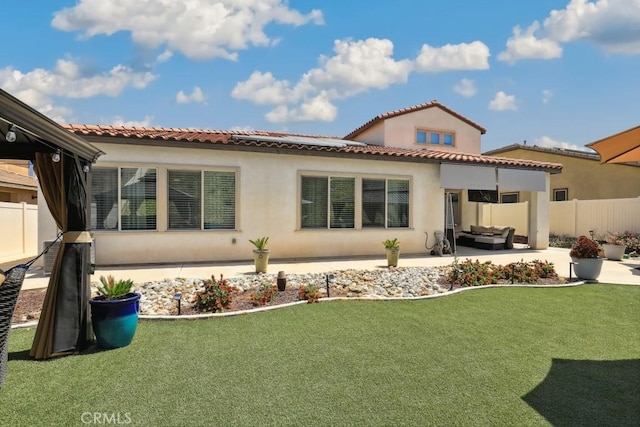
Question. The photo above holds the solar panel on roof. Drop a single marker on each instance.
(301, 140)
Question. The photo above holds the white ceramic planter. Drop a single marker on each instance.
(587, 268)
(613, 252)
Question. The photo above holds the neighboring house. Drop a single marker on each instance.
(16, 184)
(162, 195)
(583, 176)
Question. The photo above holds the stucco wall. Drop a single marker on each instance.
(399, 131)
(586, 179)
(268, 204)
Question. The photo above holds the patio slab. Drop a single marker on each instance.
(622, 272)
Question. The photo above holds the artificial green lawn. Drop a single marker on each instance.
(477, 358)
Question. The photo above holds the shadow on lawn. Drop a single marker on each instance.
(24, 354)
(589, 393)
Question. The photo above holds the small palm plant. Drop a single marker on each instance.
(391, 244)
(260, 243)
(112, 289)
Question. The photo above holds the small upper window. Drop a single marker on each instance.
(421, 137)
(433, 137)
(560, 194)
(509, 198)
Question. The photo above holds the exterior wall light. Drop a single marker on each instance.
(56, 156)
(11, 133)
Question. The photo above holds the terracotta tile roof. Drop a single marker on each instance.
(557, 151)
(224, 138)
(16, 180)
(174, 134)
(411, 109)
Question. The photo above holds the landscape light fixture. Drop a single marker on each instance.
(11, 133)
(56, 156)
(178, 298)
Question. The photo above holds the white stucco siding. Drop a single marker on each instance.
(400, 131)
(267, 203)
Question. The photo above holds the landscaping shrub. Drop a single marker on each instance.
(216, 296)
(309, 293)
(561, 241)
(264, 294)
(475, 273)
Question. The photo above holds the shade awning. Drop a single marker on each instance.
(467, 177)
(521, 180)
(623, 147)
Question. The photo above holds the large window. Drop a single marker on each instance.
(123, 199)
(201, 200)
(385, 203)
(327, 202)
(435, 137)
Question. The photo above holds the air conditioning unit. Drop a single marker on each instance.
(50, 256)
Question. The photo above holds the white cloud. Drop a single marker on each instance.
(465, 88)
(548, 142)
(67, 79)
(463, 56)
(610, 24)
(356, 67)
(164, 56)
(528, 46)
(199, 29)
(546, 96)
(196, 96)
(318, 108)
(502, 102)
(119, 121)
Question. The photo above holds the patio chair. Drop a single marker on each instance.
(9, 291)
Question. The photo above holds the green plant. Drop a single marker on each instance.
(265, 293)
(114, 289)
(561, 241)
(217, 295)
(584, 247)
(391, 244)
(615, 238)
(471, 273)
(631, 241)
(260, 243)
(309, 293)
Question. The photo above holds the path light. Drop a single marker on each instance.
(329, 277)
(178, 298)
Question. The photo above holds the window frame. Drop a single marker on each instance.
(564, 190)
(430, 133)
(358, 200)
(510, 194)
(119, 200)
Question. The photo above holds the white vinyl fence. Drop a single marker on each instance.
(573, 217)
(18, 230)
(578, 217)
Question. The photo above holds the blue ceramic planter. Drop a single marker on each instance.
(115, 321)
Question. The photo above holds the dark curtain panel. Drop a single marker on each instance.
(63, 326)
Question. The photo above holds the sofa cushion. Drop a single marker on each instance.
(480, 229)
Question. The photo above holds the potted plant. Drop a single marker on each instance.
(586, 262)
(614, 247)
(260, 254)
(114, 312)
(393, 252)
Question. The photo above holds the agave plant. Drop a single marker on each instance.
(260, 243)
(391, 244)
(114, 289)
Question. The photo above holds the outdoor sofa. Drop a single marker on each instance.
(492, 237)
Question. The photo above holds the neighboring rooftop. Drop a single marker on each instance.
(293, 142)
(16, 180)
(407, 110)
(559, 151)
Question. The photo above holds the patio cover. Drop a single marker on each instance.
(64, 323)
(490, 178)
(623, 147)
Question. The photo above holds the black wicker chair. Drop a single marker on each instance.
(9, 291)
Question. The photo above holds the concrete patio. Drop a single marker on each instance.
(626, 271)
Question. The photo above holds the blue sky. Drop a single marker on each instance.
(554, 73)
